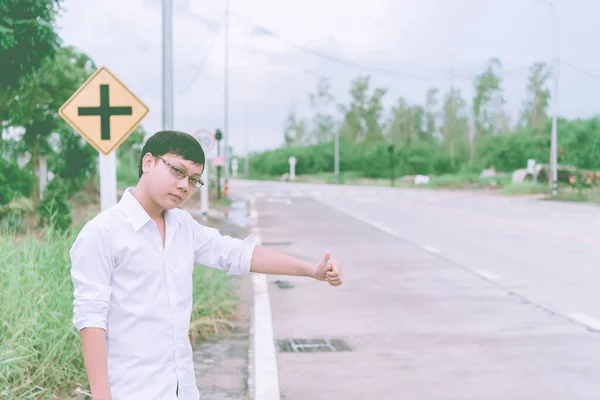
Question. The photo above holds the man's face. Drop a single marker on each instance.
(169, 177)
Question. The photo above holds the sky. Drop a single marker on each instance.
(407, 46)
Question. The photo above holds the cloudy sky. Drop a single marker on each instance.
(275, 45)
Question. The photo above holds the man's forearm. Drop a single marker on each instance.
(268, 261)
(93, 344)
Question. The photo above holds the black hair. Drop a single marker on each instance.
(179, 143)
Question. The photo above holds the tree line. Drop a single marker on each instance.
(444, 134)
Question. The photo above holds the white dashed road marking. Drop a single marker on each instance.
(279, 200)
(432, 249)
(486, 274)
(591, 323)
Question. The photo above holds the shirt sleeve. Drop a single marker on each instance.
(215, 250)
(92, 264)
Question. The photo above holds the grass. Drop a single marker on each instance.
(449, 181)
(467, 181)
(40, 354)
(214, 307)
(583, 196)
(525, 188)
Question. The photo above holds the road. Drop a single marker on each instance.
(448, 295)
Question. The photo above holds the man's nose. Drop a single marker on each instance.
(183, 184)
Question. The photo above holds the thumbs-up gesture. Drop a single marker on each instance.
(329, 270)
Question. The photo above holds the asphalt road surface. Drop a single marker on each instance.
(447, 295)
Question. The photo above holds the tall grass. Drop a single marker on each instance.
(40, 353)
(39, 347)
(214, 308)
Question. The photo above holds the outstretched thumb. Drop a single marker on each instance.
(326, 257)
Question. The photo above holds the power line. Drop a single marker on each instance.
(396, 73)
(580, 70)
(186, 88)
(268, 32)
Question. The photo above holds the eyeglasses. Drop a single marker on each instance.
(180, 174)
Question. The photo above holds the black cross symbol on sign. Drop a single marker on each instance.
(105, 111)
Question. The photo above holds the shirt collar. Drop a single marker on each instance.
(136, 214)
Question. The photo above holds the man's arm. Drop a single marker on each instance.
(92, 264)
(269, 261)
(242, 256)
(93, 345)
(272, 262)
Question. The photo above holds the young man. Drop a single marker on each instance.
(132, 273)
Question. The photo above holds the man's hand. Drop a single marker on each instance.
(269, 261)
(329, 270)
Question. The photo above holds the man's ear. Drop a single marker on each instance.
(147, 162)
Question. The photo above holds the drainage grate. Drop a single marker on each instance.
(312, 345)
(283, 284)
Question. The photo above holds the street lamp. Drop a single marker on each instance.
(554, 141)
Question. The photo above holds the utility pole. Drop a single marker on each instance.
(167, 59)
(226, 125)
(554, 135)
(554, 139)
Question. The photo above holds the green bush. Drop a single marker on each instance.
(13, 214)
(579, 143)
(14, 182)
(54, 209)
(75, 162)
(511, 151)
(127, 176)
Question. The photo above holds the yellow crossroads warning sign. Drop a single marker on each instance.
(103, 111)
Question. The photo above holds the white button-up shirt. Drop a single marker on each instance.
(141, 294)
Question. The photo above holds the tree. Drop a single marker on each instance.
(488, 98)
(295, 132)
(362, 117)
(456, 122)
(489, 117)
(27, 37)
(41, 94)
(323, 123)
(534, 114)
(499, 118)
(406, 124)
(432, 114)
